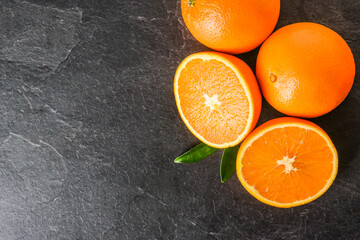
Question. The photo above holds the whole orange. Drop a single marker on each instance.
(233, 26)
(305, 69)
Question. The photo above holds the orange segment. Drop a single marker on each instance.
(287, 162)
(217, 97)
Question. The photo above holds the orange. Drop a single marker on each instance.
(233, 26)
(287, 162)
(305, 70)
(218, 98)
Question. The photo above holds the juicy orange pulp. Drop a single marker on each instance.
(287, 162)
(227, 111)
(217, 97)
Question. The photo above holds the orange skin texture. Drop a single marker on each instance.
(233, 26)
(305, 70)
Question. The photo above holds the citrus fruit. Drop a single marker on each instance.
(218, 98)
(305, 70)
(231, 26)
(287, 162)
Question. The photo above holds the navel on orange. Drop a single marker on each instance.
(287, 162)
(231, 26)
(217, 97)
(305, 69)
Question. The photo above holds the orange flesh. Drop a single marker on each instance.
(307, 175)
(213, 100)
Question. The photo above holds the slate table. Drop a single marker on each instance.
(89, 129)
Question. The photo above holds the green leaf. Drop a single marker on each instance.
(196, 154)
(228, 163)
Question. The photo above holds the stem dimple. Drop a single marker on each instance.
(191, 3)
(273, 77)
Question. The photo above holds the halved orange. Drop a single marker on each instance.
(218, 98)
(287, 162)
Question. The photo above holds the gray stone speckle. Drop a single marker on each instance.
(36, 35)
(89, 130)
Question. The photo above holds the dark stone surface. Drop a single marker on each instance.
(89, 130)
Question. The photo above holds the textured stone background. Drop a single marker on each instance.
(89, 129)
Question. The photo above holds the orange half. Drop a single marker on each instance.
(287, 162)
(218, 98)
